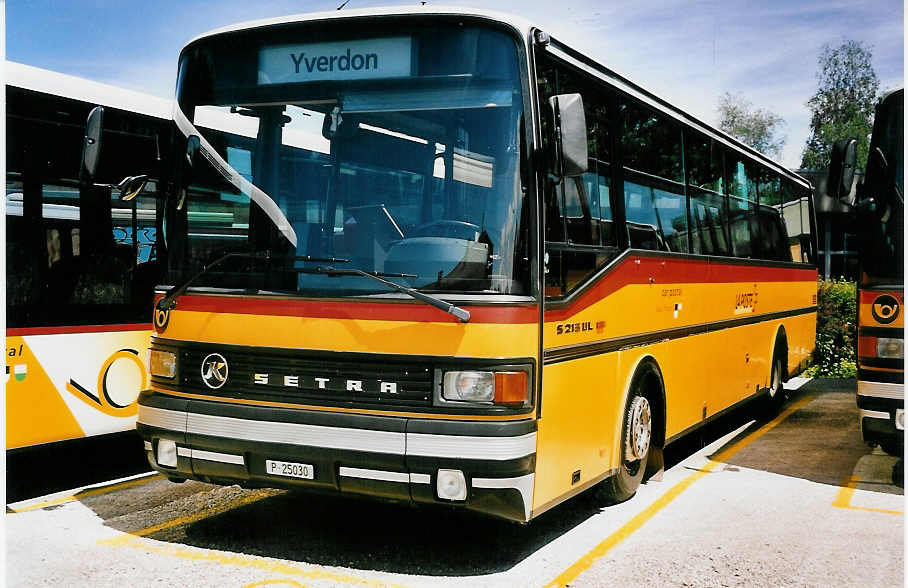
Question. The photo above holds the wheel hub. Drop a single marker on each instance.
(639, 430)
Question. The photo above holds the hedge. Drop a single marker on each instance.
(836, 315)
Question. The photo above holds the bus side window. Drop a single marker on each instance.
(796, 215)
(654, 193)
(740, 213)
(580, 235)
(775, 239)
(703, 159)
(744, 229)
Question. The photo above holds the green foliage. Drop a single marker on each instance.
(842, 106)
(836, 314)
(755, 127)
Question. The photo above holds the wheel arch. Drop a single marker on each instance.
(647, 368)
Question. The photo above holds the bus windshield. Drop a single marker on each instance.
(883, 250)
(397, 154)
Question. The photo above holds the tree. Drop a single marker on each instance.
(843, 104)
(759, 128)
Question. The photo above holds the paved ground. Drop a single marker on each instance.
(795, 501)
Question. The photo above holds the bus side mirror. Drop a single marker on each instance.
(131, 186)
(571, 155)
(187, 163)
(91, 145)
(192, 152)
(841, 170)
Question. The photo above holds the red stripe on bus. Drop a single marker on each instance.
(633, 270)
(667, 271)
(355, 310)
(77, 329)
(868, 296)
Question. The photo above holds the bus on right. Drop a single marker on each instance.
(879, 209)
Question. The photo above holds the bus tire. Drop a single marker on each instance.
(775, 394)
(893, 448)
(636, 439)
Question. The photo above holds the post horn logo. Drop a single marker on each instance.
(885, 309)
(161, 318)
(214, 370)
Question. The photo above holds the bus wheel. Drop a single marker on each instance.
(637, 434)
(893, 448)
(775, 397)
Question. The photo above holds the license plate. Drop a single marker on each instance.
(289, 469)
(900, 419)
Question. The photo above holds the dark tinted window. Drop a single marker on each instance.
(708, 224)
(580, 234)
(654, 196)
(742, 226)
(704, 162)
(742, 177)
(774, 240)
(796, 216)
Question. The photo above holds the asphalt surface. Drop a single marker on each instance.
(796, 500)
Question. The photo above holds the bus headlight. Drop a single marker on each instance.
(162, 363)
(502, 387)
(890, 348)
(469, 386)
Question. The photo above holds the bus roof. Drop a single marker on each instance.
(525, 27)
(518, 23)
(36, 79)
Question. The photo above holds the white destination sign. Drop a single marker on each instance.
(339, 60)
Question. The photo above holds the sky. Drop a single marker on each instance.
(689, 52)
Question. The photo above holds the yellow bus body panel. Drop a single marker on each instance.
(703, 373)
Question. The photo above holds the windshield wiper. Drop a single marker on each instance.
(460, 313)
(170, 298)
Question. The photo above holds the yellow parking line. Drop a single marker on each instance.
(204, 514)
(88, 493)
(134, 540)
(630, 527)
(275, 582)
(843, 498)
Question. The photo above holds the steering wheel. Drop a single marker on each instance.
(448, 228)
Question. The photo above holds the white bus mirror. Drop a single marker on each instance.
(91, 145)
(571, 154)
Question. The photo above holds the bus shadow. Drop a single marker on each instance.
(386, 537)
(398, 538)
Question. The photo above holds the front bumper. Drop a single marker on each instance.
(881, 404)
(384, 456)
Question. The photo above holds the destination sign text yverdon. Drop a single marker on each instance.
(339, 60)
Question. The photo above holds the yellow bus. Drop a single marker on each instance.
(457, 262)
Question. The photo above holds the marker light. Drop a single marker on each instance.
(890, 348)
(469, 386)
(451, 485)
(162, 363)
(167, 453)
(867, 346)
(511, 387)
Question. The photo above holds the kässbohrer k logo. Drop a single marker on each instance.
(214, 370)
